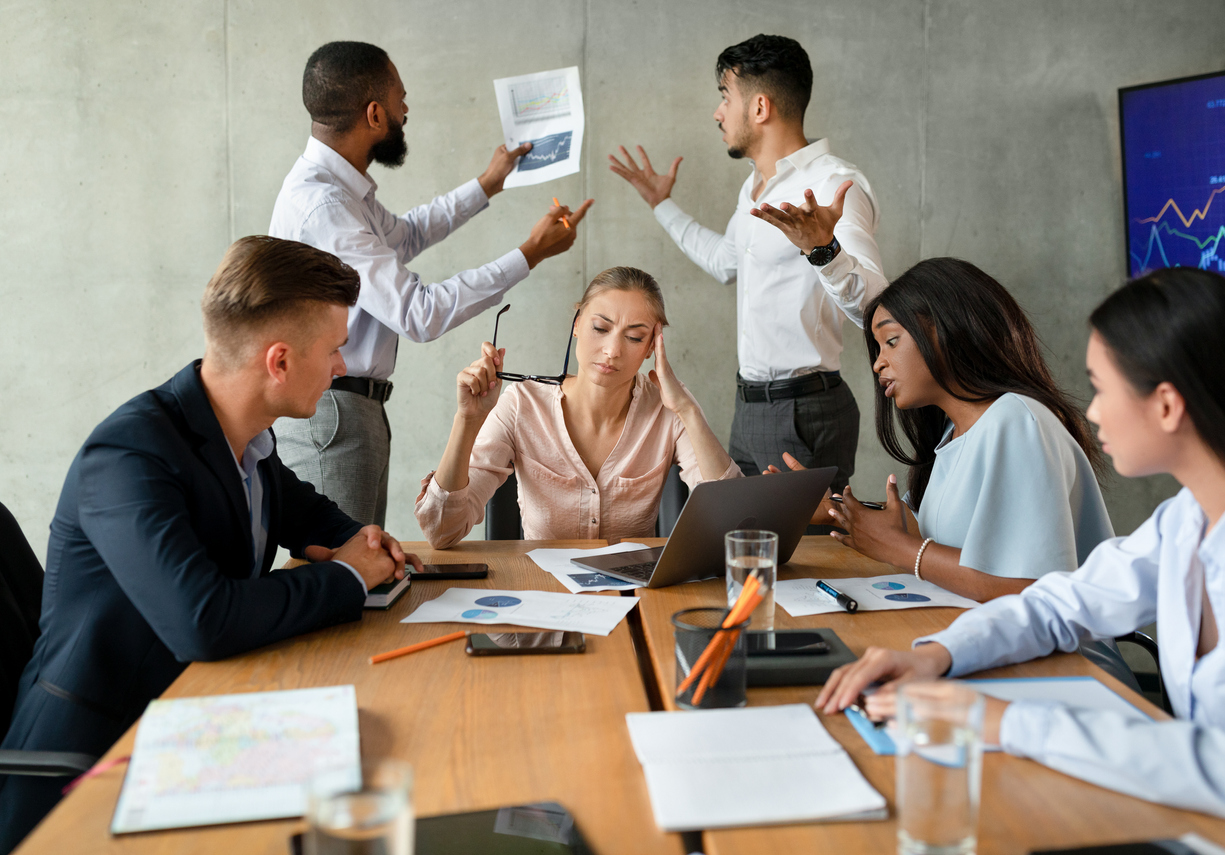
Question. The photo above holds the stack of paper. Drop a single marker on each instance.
(873, 593)
(756, 766)
(540, 609)
(575, 578)
(235, 758)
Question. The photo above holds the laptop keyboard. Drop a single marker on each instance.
(641, 572)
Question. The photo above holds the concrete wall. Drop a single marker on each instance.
(138, 139)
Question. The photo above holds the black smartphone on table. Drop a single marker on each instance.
(524, 643)
(788, 642)
(449, 571)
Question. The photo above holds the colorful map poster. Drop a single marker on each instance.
(235, 758)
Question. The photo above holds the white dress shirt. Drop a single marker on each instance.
(1160, 572)
(788, 312)
(328, 204)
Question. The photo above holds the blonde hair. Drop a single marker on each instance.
(627, 279)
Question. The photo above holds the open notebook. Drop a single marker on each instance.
(755, 766)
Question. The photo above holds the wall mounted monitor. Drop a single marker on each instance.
(1173, 138)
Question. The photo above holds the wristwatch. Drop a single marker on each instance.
(823, 255)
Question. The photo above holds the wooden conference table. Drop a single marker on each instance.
(493, 732)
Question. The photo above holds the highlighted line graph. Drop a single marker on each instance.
(1198, 213)
(533, 100)
(1209, 249)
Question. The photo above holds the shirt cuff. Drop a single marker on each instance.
(513, 267)
(836, 270)
(356, 575)
(1024, 727)
(472, 197)
(963, 662)
(668, 212)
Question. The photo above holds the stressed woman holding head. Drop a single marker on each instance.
(591, 450)
(1159, 403)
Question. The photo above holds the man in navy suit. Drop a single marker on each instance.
(164, 537)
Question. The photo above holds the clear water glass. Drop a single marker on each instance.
(749, 551)
(939, 768)
(372, 815)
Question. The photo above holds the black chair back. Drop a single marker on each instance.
(502, 518)
(21, 597)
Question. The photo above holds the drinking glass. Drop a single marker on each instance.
(939, 768)
(694, 630)
(370, 816)
(750, 551)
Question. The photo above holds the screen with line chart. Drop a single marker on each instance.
(1173, 137)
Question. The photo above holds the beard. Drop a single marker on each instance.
(743, 141)
(391, 150)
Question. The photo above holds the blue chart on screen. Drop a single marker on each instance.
(478, 614)
(888, 586)
(1174, 174)
(546, 151)
(908, 598)
(498, 602)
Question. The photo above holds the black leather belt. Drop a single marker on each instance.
(752, 392)
(379, 390)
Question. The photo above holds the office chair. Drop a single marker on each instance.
(21, 593)
(1149, 683)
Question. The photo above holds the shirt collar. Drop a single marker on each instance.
(321, 154)
(257, 449)
(798, 160)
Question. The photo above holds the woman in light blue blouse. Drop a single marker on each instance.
(1155, 363)
(1001, 463)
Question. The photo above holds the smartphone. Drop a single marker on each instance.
(450, 571)
(796, 642)
(876, 506)
(525, 643)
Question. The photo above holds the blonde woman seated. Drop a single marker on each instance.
(592, 450)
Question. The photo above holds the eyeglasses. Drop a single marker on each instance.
(539, 378)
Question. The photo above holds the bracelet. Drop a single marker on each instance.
(919, 558)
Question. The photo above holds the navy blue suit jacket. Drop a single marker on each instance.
(149, 567)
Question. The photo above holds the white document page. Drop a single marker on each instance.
(578, 580)
(1078, 692)
(545, 109)
(873, 593)
(235, 758)
(753, 766)
(539, 609)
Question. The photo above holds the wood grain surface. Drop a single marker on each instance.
(480, 732)
(1025, 806)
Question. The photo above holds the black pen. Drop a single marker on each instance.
(843, 600)
(875, 506)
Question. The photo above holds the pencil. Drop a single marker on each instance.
(413, 648)
(564, 221)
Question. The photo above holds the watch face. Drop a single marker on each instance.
(823, 255)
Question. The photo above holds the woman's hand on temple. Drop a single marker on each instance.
(880, 535)
(477, 386)
(672, 393)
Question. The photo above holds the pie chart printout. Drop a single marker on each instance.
(498, 602)
(479, 614)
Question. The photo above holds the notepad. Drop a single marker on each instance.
(742, 767)
(1078, 692)
(382, 596)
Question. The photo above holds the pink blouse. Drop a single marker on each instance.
(558, 498)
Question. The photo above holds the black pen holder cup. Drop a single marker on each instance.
(695, 629)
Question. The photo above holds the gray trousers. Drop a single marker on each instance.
(819, 429)
(344, 450)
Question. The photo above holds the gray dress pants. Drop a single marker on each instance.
(344, 450)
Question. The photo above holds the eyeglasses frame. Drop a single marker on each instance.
(547, 380)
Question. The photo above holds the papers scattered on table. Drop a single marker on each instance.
(754, 766)
(235, 758)
(576, 580)
(545, 109)
(1076, 692)
(540, 609)
(873, 593)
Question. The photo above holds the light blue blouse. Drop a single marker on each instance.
(1015, 493)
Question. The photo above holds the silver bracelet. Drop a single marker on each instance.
(919, 558)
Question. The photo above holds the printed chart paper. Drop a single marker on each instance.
(545, 109)
(539, 609)
(235, 758)
(873, 593)
(576, 579)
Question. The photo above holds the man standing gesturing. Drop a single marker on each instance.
(789, 304)
(355, 98)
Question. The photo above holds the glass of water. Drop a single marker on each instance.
(939, 768)
(750, 551)
(366, 813)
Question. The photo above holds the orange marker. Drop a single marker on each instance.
(564, 221)
(413, 648)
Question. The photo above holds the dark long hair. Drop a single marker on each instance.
(976, 340)
(1166, 327)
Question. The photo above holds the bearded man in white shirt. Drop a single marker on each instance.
(790, 398)
(355, 98)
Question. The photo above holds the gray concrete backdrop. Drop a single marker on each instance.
(138, 139)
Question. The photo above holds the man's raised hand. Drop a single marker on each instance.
(809, 225)
(501, 165)
(651, 186)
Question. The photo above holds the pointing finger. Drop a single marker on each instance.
(581, 212)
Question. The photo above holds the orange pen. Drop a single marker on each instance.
(564, 221)
(413, 648)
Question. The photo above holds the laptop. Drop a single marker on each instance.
(782, 503)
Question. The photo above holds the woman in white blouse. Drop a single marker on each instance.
(592, 450)
(1155, 363)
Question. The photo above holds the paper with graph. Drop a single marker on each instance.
(545, 109)
(235, 758)
(538, 609)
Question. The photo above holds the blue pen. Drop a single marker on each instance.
(843, 600)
